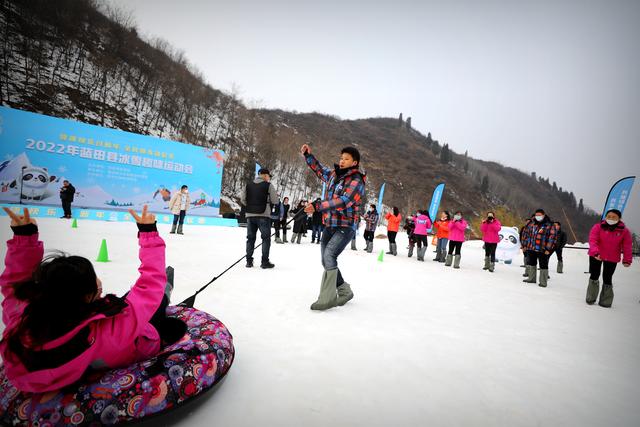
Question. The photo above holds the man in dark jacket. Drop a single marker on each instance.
(316, 224)
(538, 240)
(66, 196)
(560, 243)
(258, 198)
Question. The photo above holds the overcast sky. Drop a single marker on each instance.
(545, 86)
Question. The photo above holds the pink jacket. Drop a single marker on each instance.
(456, 230)
(610, 243)
(423, 223)
(490, 231)
(115, 341)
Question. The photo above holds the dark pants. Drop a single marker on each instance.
(533, 258)
(368, 236)
(559, 254)
(607, 272)
(334, 240)
(262, 223)
(391, 235)
(277, 224)
(490, 250)
(66, 207)
(455, 246)
(179, 217)
(317, 232)
(421, 239)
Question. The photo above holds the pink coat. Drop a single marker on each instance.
(115, 341)
(456, 230)
(609, 244)
(490, 231)
(423, 223)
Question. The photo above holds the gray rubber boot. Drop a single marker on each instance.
(486, 263)
(180, 229)
(390, 249)
(353, 245)
(284, 238)
(173, 229)
(328, 294)
(492, 267)
(369, 247)
(293, 237)
(278, 240)
(394, 249)
(438, 255)
(544, 276)
(410, 253)
(421, 252)
(168, 287)
(531, 274)
(559, 269)
(456, 261)
(606, 296)
(344, 294)
(299, 237)
(447, 263)
(592, 291)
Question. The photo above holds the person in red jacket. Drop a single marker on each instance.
(490, 229)
(442, 234)
(607, 240)
(393, 224)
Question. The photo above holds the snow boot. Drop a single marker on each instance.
(448, 260)
(531, 274)
(544, 276)
(394, 249)
(266, 264)
(606, 296)
(353, 245)
(456, 261)
(173, 229)
(492, 267)
(410, 254)
(369, 247)
(284, 238)
(420, 254)
(486, 263)
(437, 258)
(168, 288)
(344, 294)
(249, 262)
(390, 250)
(180, 229)
(443, 255)
(299, 237)
(293, 237)
(278, 240)
(592, 291)
(559, 269)
(328, 296)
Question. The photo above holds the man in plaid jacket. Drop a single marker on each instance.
(345, 184)
(538, 240)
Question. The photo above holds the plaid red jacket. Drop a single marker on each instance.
(344, 193)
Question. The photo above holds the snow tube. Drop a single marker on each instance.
(178, 374)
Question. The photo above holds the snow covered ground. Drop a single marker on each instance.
(420, 344)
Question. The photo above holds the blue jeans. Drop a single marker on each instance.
(442, 244)
(262, 223)
(334, 240)
(317, 232)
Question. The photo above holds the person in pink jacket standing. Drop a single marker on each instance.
(607, 240)
(58, 324)
(423, 223)
(457, 228)
(490, 229)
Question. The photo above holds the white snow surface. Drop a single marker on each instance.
(420, 344)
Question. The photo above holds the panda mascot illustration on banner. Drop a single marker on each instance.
(35, 183)
(509, 244)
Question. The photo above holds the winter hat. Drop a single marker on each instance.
(264, 171)
(615, 211)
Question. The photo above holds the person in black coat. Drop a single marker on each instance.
(316, 224)
(561, 242)
(300, 218)
(66, 197)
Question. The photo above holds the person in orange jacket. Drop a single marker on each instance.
(393, 224)
(442, 233)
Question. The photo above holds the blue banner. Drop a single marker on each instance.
(380, 198)
(435, 201)
(258, 167)
(619, 195)
(110, 169)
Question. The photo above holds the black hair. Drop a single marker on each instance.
(459, 212)
(59, 296)
(353, 152)
(615, 211)
(373, 206)
(184, 186)
(396, 211)
(448, 214)
(539, 210)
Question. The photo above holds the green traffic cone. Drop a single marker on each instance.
(74, 224)
(103, 256)
(381, 255)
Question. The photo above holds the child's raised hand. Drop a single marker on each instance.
(145, 217)
(305, 149)
(17, 220)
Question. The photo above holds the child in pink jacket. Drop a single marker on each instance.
(490, 229)
(57, 323)
(457, 228)
(607, 240)
(422, 223)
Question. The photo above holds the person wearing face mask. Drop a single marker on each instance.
(538, 240)
(178, 205)
(410, 227)
(422, 224)
(607, 240)
(442, 234)
(371, 220)
(393, 224)
(490, 229)
(457, 228)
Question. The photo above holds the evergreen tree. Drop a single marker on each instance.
(533, 175)
(484, 187)
(435, 148)
(466, 166)
(444, 154)
(555, 186)
(429, 140)
(581, 206)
